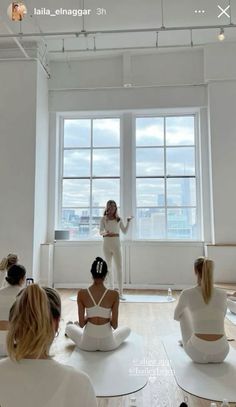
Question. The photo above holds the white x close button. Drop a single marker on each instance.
(223, 11)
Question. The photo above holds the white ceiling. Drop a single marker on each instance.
(118, 15)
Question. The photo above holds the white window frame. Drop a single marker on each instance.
(87, 116)
(197, 170)
(128, 166)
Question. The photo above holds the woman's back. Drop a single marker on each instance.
(43, 382)
(206, 318)
(97, 293)
(7, 297)
(98, 302)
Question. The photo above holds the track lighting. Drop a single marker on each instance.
(221, 35)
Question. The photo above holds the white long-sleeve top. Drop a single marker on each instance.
(206, 318)
(7, 298)
(112, 226)
(43, 383)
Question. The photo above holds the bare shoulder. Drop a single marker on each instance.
(81, 294)
(113, 294)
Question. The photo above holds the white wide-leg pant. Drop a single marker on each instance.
(97, 337)
(112, 251)
(199, 350)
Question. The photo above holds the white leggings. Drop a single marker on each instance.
(199, 350)
(97, 337)
(231, 302)
(112, 250)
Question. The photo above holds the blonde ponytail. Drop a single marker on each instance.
(8, 261)
(204, 269)
(3, 264)
(31, 330)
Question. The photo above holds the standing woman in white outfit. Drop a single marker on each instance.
(14, 281)
(110, 226)
(5, 264)
(201, 312)
(98, 315)
(29, 376)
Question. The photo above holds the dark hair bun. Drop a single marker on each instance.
(15, 273)
(99, 268)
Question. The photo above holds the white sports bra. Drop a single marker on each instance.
(96, 310)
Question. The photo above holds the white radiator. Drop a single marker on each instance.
(46, 264)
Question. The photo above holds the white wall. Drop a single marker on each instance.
(17, 158)
(145, 265)
(194, 79)
(23, 161)
(169, 80)
(222, 115)
(41, 168)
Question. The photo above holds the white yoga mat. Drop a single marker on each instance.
(113, 373)
(140, 298)
(231, 317)
(212, 381)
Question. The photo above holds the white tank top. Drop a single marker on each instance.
(97, 310)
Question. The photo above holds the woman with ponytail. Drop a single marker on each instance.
(98, 315)
(201, 311)
(14, 281)
(29, 376)
(5, 264)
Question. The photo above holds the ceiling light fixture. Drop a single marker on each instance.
(221, 35)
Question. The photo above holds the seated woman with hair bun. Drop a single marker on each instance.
(201, 312)
(5, 264)
(98, 315)
(29, 376)
(15, 280)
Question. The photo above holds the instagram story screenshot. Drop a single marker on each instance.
(117, 207)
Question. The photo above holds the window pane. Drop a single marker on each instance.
(150, 131)
(76, 163)
(181, 223)
(97, 213)
(77, 133)
(80, 233)
(180, 161)
(75, 192)
(150, 192)
(181, 192)
(106, 132)
(74, 218)
(150, 223)
(149, 161)
(106, 163)
(180, 130)
(105, 189)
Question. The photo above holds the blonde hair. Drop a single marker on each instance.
(31, 329)
(109, 203)
(8, 261)
(204, 269)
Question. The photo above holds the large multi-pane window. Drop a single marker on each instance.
(91, 172)
(166, 178)
(163, 159)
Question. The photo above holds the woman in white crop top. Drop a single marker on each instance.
(30, 377)
(14, 282)
(98, 315)
(201, 311)
(110, 226)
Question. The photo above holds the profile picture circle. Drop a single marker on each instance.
(16, 11)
